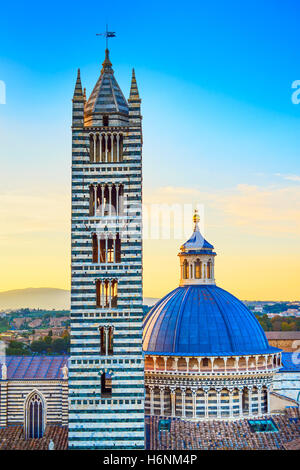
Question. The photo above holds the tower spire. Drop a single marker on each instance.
(78, 88)
(134, 92)
(107, 65)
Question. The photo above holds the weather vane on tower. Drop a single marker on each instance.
(107, 34)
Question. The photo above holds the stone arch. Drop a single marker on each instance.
(205, 364)
(242, 363)
(160, 363)
(149, 363)
(182, 365)
(193, 364)
(219, 363)
(251, 362)
(230, 364)
(260, 361)
(170, 363)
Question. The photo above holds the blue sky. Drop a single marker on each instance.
(215, 81)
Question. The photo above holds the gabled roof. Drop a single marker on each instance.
(34, 367)
(106, 97)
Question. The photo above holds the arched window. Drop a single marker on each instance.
(198, 269)
(205, 362)
(106, 293)
(121, 148)
(35, 421)
(209, 270)
(92, 201)
(110, 249)
(92, 148)
(106, 340)
(114, 294)
(95, 248)
(185, 269)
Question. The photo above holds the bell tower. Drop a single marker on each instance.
(197, 259)
(106, 378)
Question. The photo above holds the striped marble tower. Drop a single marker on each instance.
(106, 373)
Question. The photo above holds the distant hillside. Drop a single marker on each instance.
(45, 297)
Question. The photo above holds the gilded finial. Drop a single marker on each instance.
(196, 217)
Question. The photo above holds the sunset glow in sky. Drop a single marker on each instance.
(219, 129)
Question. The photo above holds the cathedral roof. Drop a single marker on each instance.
(203, 320)
(106, 97)
(35, 367)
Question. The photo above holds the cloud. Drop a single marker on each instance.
(289, 177)
(268, 211)
(24, 213)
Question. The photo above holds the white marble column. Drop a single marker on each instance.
(106, 332)
(98, 245)
(106, 248)
(114, 241)
(110, 201)
(112, 147)
(100, 147)
(117, 199)
(106, 147)
(95, 200)
(110, 293)
(102, 199)
(102, 292)
(118, 149)
(95, 147)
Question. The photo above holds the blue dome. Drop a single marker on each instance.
(203, 320)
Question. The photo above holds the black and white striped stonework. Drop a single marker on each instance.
(109, 416)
